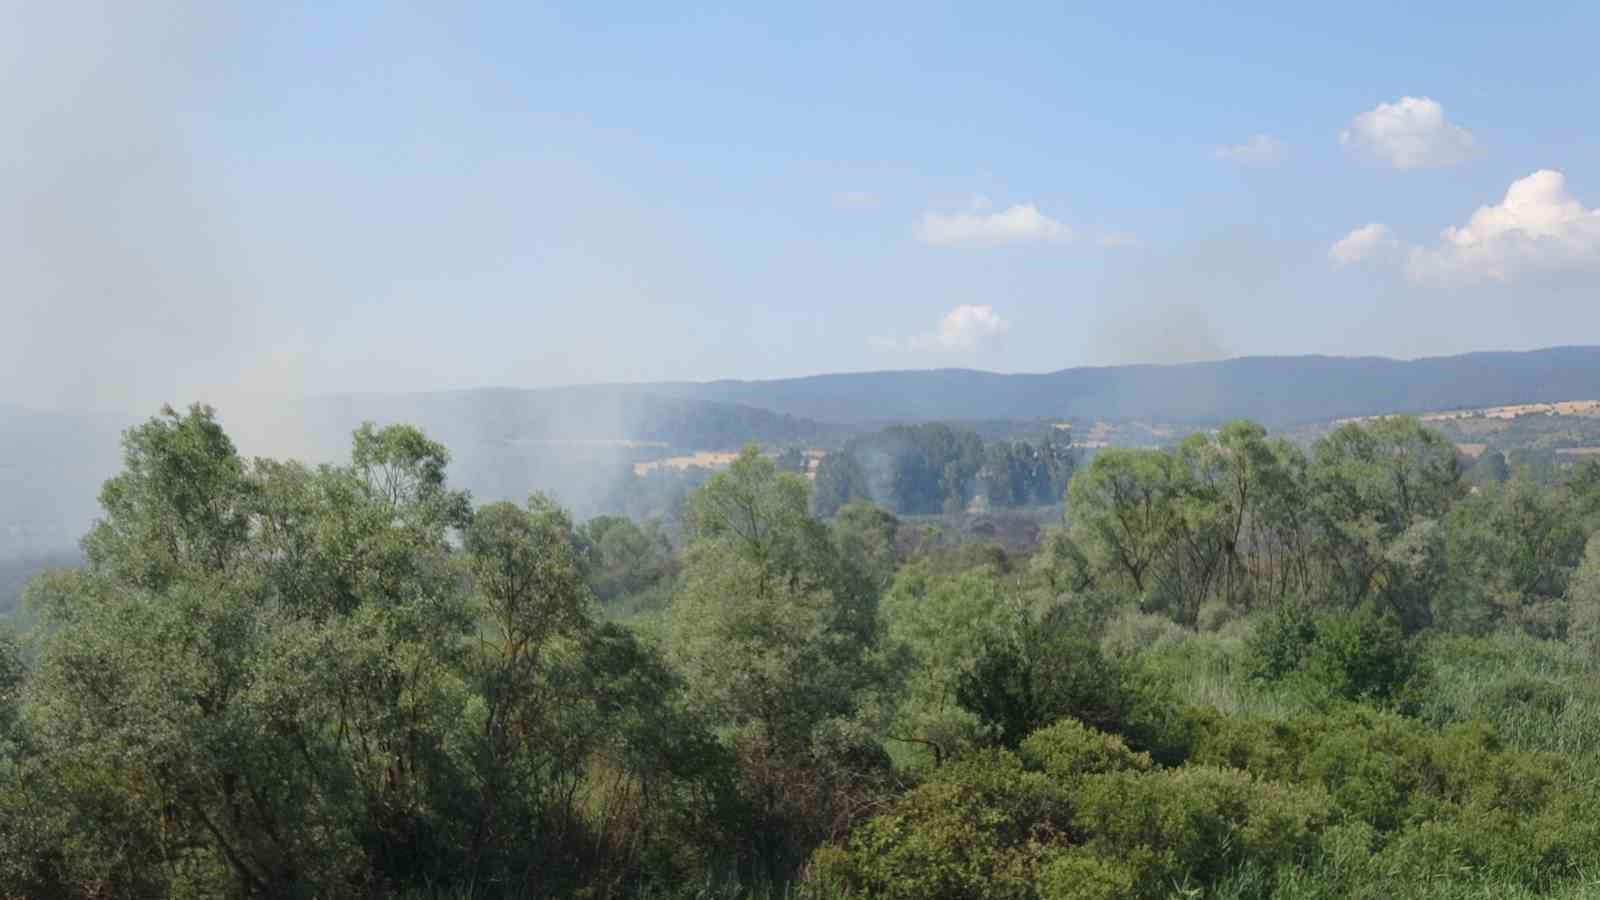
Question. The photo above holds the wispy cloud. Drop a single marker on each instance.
(1258, 149)
(1410, 133)
(1020, 223)
(964, 328)
(1361, 244)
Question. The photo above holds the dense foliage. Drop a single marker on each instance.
(1236, 669)
(932, 469)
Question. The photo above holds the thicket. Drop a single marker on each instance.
(934, 468)
(1236, 669)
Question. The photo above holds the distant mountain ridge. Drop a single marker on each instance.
(506, 442)
(1278, 391)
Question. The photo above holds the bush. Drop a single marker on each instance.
(1196, 823)
(1542, 695)
(1360, 655)
(1215, 614)
(1350, 802)
(1132, 632)
(1055, 672)
(1069, 750)
(1078, 874)
(1281, 642)
(977, 828)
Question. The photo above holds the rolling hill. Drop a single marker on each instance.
(1277, 391)
(573, 441)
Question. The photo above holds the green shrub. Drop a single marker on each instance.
(1055, 671)
(1280, 642)
(1069, 750)
(1359, 655)
(1078, 874)
(977, 828)
(1132, 632)
(1541, 695)
(1215, 614)
(1196, 823)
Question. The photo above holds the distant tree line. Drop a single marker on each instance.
(935, 468)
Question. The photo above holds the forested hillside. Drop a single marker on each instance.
(1236, 668)
(579, 443)
(1278, 391)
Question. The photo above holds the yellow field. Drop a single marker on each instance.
(705, 459)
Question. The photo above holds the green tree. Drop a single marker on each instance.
(1583, 601)
(1490, 468)
(1123, 511)
(840, 481)
(625, 558)
(1509, 551)
(775, 639)
(278, 681)
(945, 624)
(1369, 487)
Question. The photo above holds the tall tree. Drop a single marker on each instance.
(774, 635)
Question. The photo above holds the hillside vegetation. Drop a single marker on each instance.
(1235, 669)
(580, 444)
(1277, 391)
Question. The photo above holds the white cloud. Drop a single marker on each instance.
(1538, 227)
(1118, 239)
(1021, 222)
(963, 328)
(1260, 148)
(1410, 133)
(1362, 243)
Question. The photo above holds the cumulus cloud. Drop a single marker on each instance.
(1410, 133)
(1022, 222)
(1538, 227)
(1260, 148)
(962, 328)
(1362, 243)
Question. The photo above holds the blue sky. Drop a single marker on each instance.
(373, 196)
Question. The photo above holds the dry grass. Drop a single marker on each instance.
(1583, 408)
(705, 459)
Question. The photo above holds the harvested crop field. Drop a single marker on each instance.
(1587, 408)
(705, 459)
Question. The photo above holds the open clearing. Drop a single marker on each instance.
(1586, 408)
(705, 459)
(1583, 408)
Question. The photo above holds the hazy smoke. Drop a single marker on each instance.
(113, 265)
(1176, 332)
(124, 284)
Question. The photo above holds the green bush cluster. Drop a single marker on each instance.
(1056, 670)
(1354, 798)
(1076, 814)
(1359, 654)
